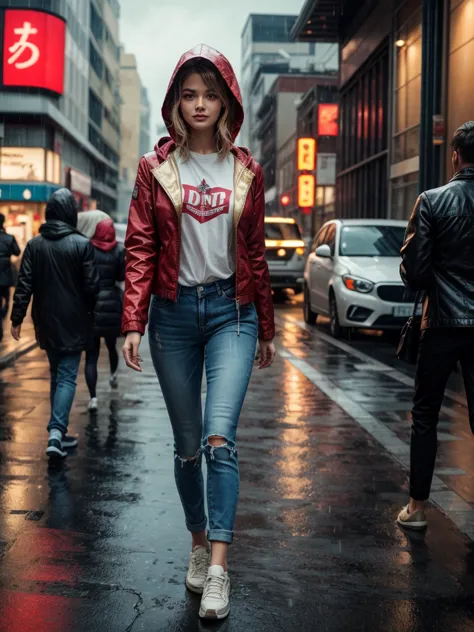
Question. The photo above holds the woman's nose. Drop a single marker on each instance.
(200, 103)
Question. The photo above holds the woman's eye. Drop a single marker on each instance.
(188, 97)
(212, 96)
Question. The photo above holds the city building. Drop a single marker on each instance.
(277, 131)
(46, 136)
(267, 51)
(135, 125)
(399, 59)
(104, 101)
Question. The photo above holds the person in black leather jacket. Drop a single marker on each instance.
(8, 249)
(58, 269)
(438, 259)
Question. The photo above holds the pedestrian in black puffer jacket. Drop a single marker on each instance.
(58, 269)
(110, 262)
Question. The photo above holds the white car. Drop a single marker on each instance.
(352, 276)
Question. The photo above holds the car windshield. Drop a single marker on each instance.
(371, 241)
(282, 231)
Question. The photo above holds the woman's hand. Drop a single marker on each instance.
(266, 353)
(130, 350)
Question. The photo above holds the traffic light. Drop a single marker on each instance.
(285, 200)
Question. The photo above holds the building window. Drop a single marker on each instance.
(272, 28)
(404, 194)
(95, 109)
(407, 82)
(96, 61)
(362, 179)
(97, 25)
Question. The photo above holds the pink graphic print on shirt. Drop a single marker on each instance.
(205, 203)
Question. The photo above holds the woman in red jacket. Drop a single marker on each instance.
(196, 242)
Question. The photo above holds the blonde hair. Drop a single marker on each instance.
(214, 82)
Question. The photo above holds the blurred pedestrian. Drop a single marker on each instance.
(8, 249)
(196, 241)
(437, 258)
(110, 260)
(58, 269)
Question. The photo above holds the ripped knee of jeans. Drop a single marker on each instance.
(220, 443)
(185, 460)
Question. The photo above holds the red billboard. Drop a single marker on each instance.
(328, 119)
(33, 50)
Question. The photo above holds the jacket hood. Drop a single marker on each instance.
(226, 71)
(56, 229)
(104, 237)
(62, 206)
(87, 222)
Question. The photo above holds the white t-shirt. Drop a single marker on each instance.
(207, 235)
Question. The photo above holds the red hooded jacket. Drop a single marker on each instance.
(153, 239)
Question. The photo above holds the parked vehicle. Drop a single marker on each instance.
(285, 253)
(352, 276)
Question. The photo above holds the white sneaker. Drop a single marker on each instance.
(215, 597)
(113, 381)
(198, 566)
(93, 406)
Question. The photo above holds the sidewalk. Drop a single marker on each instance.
(100, 544)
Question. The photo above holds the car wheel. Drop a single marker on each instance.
(334, 325)
(309, 316)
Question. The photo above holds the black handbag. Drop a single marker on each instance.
(410, 336)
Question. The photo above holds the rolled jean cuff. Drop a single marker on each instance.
(220, 535)
(196, 528)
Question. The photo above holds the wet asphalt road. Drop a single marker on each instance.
(100, 544)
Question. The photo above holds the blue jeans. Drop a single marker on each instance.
(63, 368)
(203, 329)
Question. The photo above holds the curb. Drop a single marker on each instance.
(10, 358)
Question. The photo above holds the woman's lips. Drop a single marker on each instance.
(200, 117)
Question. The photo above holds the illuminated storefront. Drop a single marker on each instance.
(28, 177)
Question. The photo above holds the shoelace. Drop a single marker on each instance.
(201, 564)
(214, 587)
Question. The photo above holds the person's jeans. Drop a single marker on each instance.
(440, 350)
(202, 329)
(63, 369)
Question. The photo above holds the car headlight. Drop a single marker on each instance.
(357, 285)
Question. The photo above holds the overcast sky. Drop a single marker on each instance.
(157, 32)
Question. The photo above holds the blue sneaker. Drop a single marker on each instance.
(69, 442)
(55, 448)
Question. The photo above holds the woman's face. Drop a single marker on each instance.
(200, 106)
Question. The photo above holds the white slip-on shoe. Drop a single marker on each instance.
(415, 520)
(196, 576)
(215, 597)
(93, 406)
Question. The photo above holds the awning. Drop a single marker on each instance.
(318, 21)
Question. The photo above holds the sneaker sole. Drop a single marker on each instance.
(214, 614)
(55, 452)
(412, 525)
(70, 446)
(194, 589)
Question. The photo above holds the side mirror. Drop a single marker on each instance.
(323, 251)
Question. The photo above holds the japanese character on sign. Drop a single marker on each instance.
(306, 154)
(22, 45)
(306, 190)
(34, 44)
